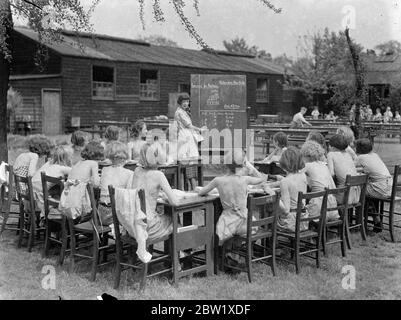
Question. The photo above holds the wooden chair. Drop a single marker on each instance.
(303, 243)
(7, 203)
(51, 201)
(90, 234)
(266, 207)
(356, 216)
(337, 227)
(392, 201)
(29, 216)
(128, 244)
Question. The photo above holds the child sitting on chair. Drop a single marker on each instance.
(78, 141)
(138, 136)
(233, 193)
(380, 181)
(115, 175)
(58, 166)
(280, 145)
(349, 137)
(112, 134)
(26, 163)
(295, 181)
(319, 178)
(340, 165)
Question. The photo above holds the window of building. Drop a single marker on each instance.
(149, 85)
(184, 87)
(262, 94)
(102, 82)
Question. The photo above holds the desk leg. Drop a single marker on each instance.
(174, 252)
(209, 250)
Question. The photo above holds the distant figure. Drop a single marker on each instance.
(378, 116)
(331, 116)
(369, 113)
(363, 113)
(137, 140)
(397, 117)
(315, 113)
(388, 115)
(298, 120)
(352, 113)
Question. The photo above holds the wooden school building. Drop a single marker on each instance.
(88, 78)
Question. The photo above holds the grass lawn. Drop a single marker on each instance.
(377, 263)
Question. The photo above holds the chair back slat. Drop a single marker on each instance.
(26, 194)
(50, 200)
(94, 213)
(396, 182)
(267, 207)
(319, 219)
(358, 181)
(116, 223)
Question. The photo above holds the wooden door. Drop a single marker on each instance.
(51, 117)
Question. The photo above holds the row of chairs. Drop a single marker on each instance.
(84, 239)
(262, 246)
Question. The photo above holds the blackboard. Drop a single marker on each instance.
(219, 102)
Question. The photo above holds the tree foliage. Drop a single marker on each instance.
(239, 45)
(388, 47)
(324, 66)
(159, 40)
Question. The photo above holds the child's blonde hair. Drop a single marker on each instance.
(117, 152)
(112, 133)
(347, 133)
(61, 156)
(291, 160)
(312, 150)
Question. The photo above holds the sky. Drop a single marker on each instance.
(371, 21)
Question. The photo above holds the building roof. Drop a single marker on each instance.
(105, 47)
(383, 69)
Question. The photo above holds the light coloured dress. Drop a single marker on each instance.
(52, 170)
(380, 181)
(340, 165)
(233, 219)
(287, 220)
(187, 146)
(159, 225)
(319, 178)
(134, 148)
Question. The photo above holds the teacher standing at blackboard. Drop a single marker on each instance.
(188, 135)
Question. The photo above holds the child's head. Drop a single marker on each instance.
(40, 144)
(303, 110)
(280, 139)
(117, 152)
(312, 151)
(363, 146)
(148, 157)
(78, 138)
(397, 112)
(234, 159)
(112, 133)
(291, 160)
(61, 156)
(317, 137)
(139, 129)
(347, 133)
(338, 142)
(93, 151)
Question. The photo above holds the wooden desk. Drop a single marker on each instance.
(193, 239)
(269, 168)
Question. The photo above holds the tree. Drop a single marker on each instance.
(159, 40)
(388, 47)
(49, 17)
(239, 45)
(322, 67)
